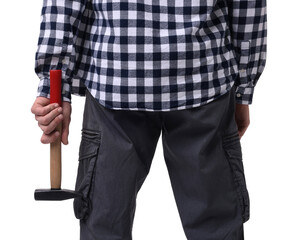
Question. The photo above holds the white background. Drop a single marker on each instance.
(270, 145)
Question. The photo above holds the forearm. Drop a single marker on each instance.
(59, 23)
(248, 27)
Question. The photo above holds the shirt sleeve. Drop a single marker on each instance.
(248, 26)
(60, 20)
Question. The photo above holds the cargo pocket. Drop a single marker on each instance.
(88, 154)
(232, 147)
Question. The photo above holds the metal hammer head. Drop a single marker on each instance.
(55, 194)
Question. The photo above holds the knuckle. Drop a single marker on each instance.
(41, 127)
(43, 140)
(32, 110)
(43, 111)
(35, 109)
(44, 120)
(47, 130)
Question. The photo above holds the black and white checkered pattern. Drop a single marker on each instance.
(153, 55)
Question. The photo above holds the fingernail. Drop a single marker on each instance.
(60, 116)
(59, 110)
(56, 105)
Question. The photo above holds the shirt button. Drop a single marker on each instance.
(238, 95)
(243, 70)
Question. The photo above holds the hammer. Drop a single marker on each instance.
(55, 193)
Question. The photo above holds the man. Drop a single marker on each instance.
(184, 68)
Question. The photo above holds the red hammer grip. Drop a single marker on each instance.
(55, 86)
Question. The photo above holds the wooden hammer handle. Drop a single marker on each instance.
(55, 147)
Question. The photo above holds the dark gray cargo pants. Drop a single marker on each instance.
(203, 156)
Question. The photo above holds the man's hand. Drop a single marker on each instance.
(49, 116)
(242, 118)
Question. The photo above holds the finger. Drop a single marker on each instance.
(45, 120)
(40, 110)
(39, 102)
(49, 138)
(47, 129)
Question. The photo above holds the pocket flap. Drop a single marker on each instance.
(87, 149)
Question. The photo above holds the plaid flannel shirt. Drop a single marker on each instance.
(153, 55)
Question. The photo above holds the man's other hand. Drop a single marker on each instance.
(242, 118)
(49, 116)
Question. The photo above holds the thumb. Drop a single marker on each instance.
(67, 109)
(65, 132)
